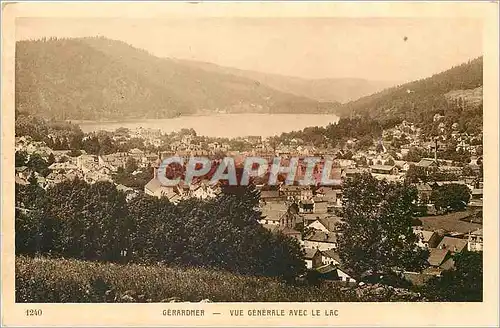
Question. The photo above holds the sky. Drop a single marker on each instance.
(368, 48)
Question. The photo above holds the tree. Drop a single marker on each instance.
(450, 197)
(462, 284)
(32, 179)
(415, 174)
(106, 146)
(467, 171)
(414, 155)
(21, 157)
(377, 235)
(365, 142)
(38, 164)
(92, 220)
(51, 160)
(91, 145)
(131, 165)
(390, 161)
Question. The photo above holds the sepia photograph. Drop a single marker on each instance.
(267, 159)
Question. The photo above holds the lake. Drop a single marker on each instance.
(222, 125)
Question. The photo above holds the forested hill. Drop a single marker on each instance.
(102, 79)
(326, 89)
(417, 100)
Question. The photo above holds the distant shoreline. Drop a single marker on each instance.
(135, 120)
(219, 125)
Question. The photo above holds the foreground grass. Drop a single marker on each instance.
(60, 280)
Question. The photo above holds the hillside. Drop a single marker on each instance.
(102, 79)
(45, 280)
(420, 99)
(329, 90)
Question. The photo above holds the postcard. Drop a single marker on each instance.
(250, 164)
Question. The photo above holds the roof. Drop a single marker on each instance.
(331, 254)
(425, 162)
(21, 181)
(324, 190)
(425, 235)
(382, 167)
(327, 268)
(306, 202)
(329, 222)
(478, 232)
(123, 188)
(452, 244)
(310, 253)
(272, 214)
(269, 194)
(448, 264)
(136, 151)
(314, 216)
(62, 166)
(289, 231)
(399, 164)
(437, 256)
(271, 227)
(293, 188)
(323, 237)
(153, 185)
(423, 187)
(352, 171)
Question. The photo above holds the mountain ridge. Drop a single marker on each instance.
(99, 78)
(413, 100)
(321, 89)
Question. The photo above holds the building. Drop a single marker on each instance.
(330, 256)
(156, 189)
(293, 191)
(475, 241)
(427, 163)
(289, 232)
(306, 206)
(334, 272)
(424, 191)
(477, 194)
(321, 240)
(312, 257)
(454, 245)
(441, 259)
(273, 213)
(326, 224)
(129, 192)
(427, 239)
(271, 195)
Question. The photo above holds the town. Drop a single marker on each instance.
(439, 164)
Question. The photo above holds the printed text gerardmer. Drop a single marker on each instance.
(254, 313)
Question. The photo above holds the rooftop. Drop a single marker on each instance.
(452, 244)
(437, 256)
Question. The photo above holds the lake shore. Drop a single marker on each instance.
(219, 125)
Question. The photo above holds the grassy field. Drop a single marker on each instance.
(60, 280)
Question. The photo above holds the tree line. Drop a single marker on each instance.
(94, 222)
